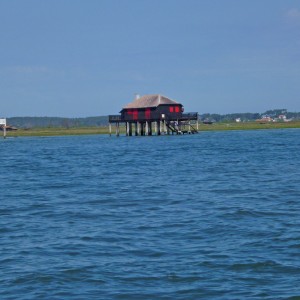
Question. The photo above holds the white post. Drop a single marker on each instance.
(147, 128)
(155, 127)
(127, 128)
(109, 129)
(117, 129)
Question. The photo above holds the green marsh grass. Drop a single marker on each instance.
(57, 131)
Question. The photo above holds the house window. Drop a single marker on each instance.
(177, 109)
(171, 108)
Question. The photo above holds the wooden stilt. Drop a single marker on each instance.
(167, 128)
(142, 128)
(118, 129)
(4, 131)
(130, 129)
(136, 128)
(150, 128)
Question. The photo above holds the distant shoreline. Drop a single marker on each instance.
(55, 131)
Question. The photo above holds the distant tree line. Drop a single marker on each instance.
(275, 113)
(30, 122)
(230, 117)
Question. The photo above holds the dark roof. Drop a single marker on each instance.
(150, 101)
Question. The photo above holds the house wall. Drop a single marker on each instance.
(171, 112)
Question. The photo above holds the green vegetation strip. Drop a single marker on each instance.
(54, 131)
(248, 126)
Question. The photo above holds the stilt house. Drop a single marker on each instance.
(154, 113)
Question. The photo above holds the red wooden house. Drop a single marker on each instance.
(165, 114)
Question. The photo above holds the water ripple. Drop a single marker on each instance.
(208, 216)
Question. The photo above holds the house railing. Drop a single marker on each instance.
(190, 116)
(115, 118)
(155, 117)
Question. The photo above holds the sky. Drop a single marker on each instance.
(80, 58)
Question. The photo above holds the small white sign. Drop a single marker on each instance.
(3, 122)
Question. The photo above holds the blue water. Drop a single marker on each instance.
(208, 216)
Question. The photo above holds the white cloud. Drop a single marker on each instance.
(293, 15)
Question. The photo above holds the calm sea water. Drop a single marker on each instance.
(208, 216)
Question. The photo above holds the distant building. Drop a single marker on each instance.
(282, 117)
(238, 120)
(154, 114)
(265, 119)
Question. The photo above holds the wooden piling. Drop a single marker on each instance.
(130, 129)
(117, 129)
(150, 128)
(142, 128)
(168, 130)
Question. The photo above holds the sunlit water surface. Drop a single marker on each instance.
(208, 216)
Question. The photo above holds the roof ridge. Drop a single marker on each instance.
(150, 100)
(169, 98)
